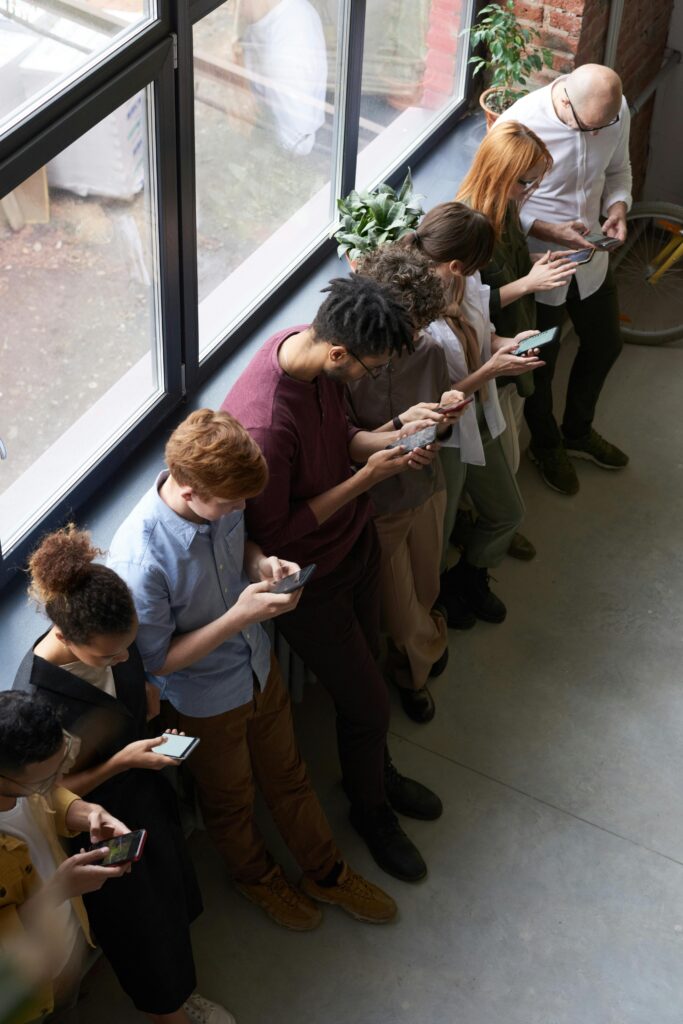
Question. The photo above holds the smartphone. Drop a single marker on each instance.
(295, 581)
(454, 408)
(179, 747)
(122, 849)
(418, 440)
(580, 256)
(538, 341)
(604, 242)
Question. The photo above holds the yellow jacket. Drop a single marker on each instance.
(19, 881)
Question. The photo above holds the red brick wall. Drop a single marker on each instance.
(576, 31)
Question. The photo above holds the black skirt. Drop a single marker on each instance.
(142, 920)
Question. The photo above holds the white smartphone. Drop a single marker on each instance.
(179, 747)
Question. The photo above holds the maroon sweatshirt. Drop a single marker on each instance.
(304, 434)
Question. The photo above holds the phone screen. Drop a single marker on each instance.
(580, 256)
(122, 848)
(418, 440)
(295, 581)
(176, 746)
(538, 341)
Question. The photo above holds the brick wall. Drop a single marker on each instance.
(576, 31)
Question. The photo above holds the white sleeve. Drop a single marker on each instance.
(618, 176)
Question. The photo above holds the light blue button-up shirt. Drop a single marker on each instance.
(184, 575)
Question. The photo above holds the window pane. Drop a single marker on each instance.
(79, 357)
(44, 44)
(265, 96)
(414, 64)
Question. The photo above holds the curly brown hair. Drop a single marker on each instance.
(83, 598)
(216, 456)
(411, 276)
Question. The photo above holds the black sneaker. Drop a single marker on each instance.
(387, 842)
(410, 797)
(479, 595)
(439, 667)
(417, 704)
(451, 598)
(596, 449)
(555, 468)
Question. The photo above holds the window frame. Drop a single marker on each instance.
(161, 53)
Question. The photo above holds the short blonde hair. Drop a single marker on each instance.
(216, 456)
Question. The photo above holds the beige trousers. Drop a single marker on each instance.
(411, 543)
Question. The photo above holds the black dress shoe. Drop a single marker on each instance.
(479, 596)
(417, 704)
(439, 666)
(387, 842)
(410, 797)
(458, 614)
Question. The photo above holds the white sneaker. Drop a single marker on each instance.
(203, 1011)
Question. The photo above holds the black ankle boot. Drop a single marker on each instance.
(387, 842)
(479, 596)
(409, 797)
(452, 599)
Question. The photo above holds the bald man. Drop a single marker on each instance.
(583, 119)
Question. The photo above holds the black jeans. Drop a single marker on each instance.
(596, 322)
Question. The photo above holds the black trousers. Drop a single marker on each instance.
(596, 322)
(335, 630)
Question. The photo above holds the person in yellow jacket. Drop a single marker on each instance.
(38, 883)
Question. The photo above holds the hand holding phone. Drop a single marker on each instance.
(122, 849)
(295, 581)
(420, 439)
(603, 242)
(537, 341)
(179, 747)
(449, 410)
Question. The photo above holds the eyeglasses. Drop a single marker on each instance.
(527, 183)
(45, 785)
(583, 127)
(373, 371)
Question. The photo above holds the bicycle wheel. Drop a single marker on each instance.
(651, 313)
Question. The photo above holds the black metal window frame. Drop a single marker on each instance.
(161, 54)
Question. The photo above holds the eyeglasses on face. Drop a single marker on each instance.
(44, 785)
(373, 371)
(584, 127)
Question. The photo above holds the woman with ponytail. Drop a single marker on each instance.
(87, 667)
(460, 241)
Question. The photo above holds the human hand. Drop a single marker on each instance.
(257, 602)
(615, 226)
(140, 755)
(550, 271)
(271, 569)
(504, 364)
(103, 825)
(571, 233)
(421, 457)
(388, 462)
(424, 412)
(448, 399)
(84, 873)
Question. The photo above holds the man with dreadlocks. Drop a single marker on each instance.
(314, 508)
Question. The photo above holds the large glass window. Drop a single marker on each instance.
(79, 288)
(414, 72)
(266, 85)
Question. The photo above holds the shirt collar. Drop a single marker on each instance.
(184, 529)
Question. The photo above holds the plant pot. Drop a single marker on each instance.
(352, 263)
(491, 115)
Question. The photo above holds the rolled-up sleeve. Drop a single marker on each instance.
(151, 595)
(618, 176)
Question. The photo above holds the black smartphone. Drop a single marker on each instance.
(295, 581)
(179, 747)
(538, 341)
(122, 849)
(420, 439)
(580, 256)
(604, 242)
(446, 409)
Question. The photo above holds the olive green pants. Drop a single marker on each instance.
(495, 496)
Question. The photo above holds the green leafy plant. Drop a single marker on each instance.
(512, 53)
(370, 219)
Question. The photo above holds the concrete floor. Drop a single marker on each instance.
(555, 887)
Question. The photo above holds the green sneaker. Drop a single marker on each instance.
(596, 449)
(555, 468)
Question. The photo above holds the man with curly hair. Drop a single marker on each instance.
(410, 508)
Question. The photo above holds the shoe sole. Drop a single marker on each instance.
(494, 622)
(350, 912)
(283, 924)
(591, 458)
(546, 481)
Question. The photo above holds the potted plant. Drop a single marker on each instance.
(370, 219)
(512, 57)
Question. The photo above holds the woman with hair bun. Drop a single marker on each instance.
(87, 666)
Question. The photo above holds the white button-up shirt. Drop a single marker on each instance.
(589, 174)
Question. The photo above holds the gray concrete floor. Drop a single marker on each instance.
(555, 887)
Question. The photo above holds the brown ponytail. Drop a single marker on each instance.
(82, 597)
